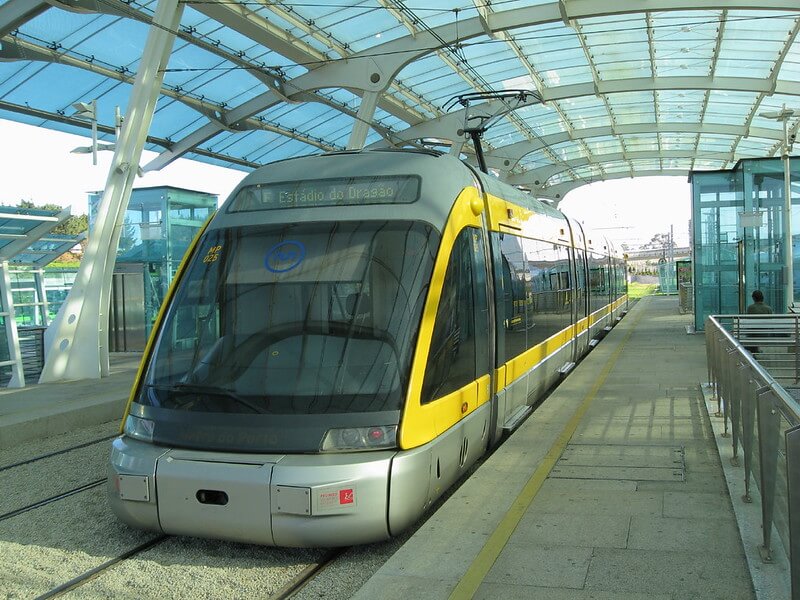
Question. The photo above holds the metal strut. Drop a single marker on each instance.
(477, 119)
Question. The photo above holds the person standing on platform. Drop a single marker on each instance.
(759, 307)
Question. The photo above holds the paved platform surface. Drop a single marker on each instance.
(38, 411)
(613, 489)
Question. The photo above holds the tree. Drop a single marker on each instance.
(659, 241)
(74, 225)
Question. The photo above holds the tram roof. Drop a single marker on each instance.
(630, 88)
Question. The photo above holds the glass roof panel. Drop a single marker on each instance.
(619, 46)
(535, 160)
(585, 111)
(39, 91)
(212, 77)
(174, 120)
(81, 34)
(752, 42)
(555, 52)
(567, 151)
(676, 163)
(264, 145)
(755, 147)
(297, 27)
(496, 64)
(361, 26)
(677, 141)
(505, 133)
(632, 107)
(684, 42)
(45, 250)
(210, 31)
(543, 119)
(617, 167)
(603, 145)
(715, 143)
(709, 164)
(728, 107)
(431, 78)
(588, 172)
(790, 69)
(642, 142)
(21, 222)
(680, 106)
(653, 164)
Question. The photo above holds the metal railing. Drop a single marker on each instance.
(753, 370)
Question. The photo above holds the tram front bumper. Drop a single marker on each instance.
(282, 500)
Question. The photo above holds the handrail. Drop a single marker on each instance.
(745, 376)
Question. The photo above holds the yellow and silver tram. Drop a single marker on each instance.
(345, 338)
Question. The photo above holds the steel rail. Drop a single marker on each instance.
(56, 453)
(307, 575)
(86, 577)
(46, 501)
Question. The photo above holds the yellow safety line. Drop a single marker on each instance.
(486, 558)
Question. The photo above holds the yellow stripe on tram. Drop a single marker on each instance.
(486, 558)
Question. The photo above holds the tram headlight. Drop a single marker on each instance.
(140, 429)
(360, 438)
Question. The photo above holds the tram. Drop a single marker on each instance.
(348, 334)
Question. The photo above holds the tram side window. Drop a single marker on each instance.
(513, 315)
(196, 322)
(549, 269)
(598, 281)
(451, 359)
(622, 280)
(580, 288)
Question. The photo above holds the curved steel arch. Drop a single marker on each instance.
(374, 69)
(536, 179)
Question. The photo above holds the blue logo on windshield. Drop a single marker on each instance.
(284, 256)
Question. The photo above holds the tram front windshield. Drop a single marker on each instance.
(292, 319)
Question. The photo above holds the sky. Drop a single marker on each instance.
(36, 164)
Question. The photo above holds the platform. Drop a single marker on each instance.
(613, 489)
(44, 410)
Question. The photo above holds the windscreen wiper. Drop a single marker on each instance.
(208, 390)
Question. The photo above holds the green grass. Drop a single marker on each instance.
(72, 264)
(637, 290)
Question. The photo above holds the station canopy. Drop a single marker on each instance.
(25, 237)
(629, 88)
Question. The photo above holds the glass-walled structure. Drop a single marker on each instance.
(737, 221)
(39, 293)
(159, 224)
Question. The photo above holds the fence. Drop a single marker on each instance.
(753, 368)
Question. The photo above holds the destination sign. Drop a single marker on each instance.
(345, 191)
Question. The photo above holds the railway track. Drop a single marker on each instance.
(308, 574)
(56, 453)
(51, 499)
(287, 591)
(91, 574)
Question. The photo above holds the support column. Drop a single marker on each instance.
(369, 101)
(41, 294)
(12, 335)
(77, 341)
